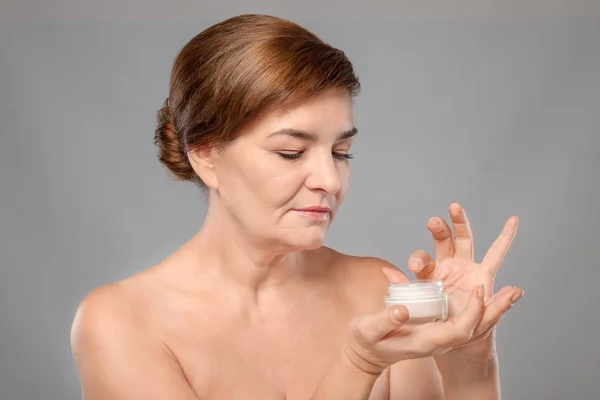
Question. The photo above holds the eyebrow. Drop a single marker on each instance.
(298, 134)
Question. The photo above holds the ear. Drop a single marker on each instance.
(203, 162)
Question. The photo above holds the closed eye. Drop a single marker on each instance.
(296, 155)
(343, 156)
(291, 156)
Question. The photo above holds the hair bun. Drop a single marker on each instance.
(171, 151)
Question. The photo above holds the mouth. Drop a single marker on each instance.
(316, 213)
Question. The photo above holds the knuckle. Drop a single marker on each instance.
(441, 232)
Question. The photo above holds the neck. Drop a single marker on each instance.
(241, 259)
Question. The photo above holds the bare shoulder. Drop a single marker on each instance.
(106, 319)
(123, 306)
(374, 265)
(103, 310)
(117, 352)
(362, 278)
(368, 269)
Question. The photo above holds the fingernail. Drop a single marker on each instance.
(396, 314)
(515, 297)
(414, 265)
(480, 292)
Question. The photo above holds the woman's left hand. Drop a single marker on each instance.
(454, 264)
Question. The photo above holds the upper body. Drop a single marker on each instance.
(254, 305)
(186, 331)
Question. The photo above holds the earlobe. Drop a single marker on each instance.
(203, 163)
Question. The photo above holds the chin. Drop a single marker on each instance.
(312, 245)
(309, 239)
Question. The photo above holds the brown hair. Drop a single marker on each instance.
(232, 73)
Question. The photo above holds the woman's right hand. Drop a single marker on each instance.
(376, 341)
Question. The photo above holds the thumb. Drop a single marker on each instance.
(375, 327)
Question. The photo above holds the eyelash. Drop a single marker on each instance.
(295, 156)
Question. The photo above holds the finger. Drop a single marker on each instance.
(497, 251)
(491, 329)
(443, 244)
(463, 237)
(488, 331)
(439, 338)
(393, 274)
(421, 264)
(497, 307)
(374, 327)
(464, 324)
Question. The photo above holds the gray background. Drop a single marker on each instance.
(493, 104)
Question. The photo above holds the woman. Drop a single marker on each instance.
(254, 306)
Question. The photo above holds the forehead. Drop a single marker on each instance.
(329, 113)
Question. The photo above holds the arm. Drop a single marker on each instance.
(461, 379)
(377, 341)
(472, 371)
(416, 379)
(467, 379)
(117, 359)
(445, 379)
(469, 371)
(345, 379)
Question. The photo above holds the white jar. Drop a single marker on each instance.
(424, 299)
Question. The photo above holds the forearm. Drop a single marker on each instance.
(345, 380)
(467, 378)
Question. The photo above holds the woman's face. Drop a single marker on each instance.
(283, 179)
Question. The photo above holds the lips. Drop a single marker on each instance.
(315, 213)
(315, 209)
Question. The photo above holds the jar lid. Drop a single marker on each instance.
(417, 289)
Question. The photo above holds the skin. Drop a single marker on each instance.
(255, 306)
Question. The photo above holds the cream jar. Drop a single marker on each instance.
(425, 300)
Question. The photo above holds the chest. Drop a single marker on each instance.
(225, 357)
(246, 363)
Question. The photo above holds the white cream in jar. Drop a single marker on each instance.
(425, 300)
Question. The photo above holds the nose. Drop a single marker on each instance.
(324, 175)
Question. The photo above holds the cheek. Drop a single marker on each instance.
(281, 185)
(259, 182)
(344, 174)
